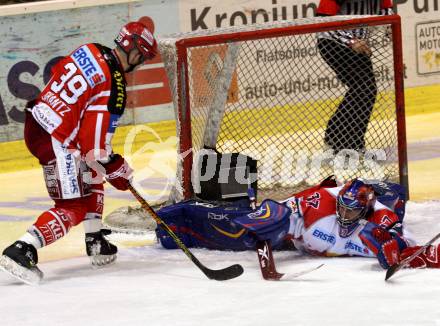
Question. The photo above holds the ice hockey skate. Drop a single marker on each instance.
(20, 260)
(100, 251)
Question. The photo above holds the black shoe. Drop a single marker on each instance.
(20, 260)
(100, 251)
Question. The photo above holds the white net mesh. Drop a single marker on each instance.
(301, 103)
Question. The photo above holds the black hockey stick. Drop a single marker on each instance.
(396, 267)
(224, 274)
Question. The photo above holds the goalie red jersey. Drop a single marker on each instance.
(88, 88)
(316, 229)
(318, 202)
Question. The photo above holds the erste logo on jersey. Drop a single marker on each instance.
(88, 65)
(324, 236)
(353, 246)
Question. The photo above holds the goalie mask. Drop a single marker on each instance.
(136, 35)
(355, 200)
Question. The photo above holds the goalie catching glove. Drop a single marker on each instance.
(118, 172)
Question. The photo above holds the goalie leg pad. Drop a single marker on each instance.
(213, 226)
(270, 221)
(206, 225)
(174, 216)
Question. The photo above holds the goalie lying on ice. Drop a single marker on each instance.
(356, 219)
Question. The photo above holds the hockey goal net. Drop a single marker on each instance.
(265, 90)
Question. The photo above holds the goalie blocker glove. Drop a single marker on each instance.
(118, 172)
(99, 249)
(387, 245)
(390, 248)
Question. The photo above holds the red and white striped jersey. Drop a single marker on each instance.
(351, 7)
(81, 104)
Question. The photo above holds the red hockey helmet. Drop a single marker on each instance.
(136, 35)
(355, 200)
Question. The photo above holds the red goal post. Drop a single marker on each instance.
(264, 90)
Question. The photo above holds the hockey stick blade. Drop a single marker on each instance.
(218, 275)
(290, 276)
(396, 267)
(268, 268)
(224, 274)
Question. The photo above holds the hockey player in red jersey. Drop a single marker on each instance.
(69, 128)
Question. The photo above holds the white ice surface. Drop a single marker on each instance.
(153, 286)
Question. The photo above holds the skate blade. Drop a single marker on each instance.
(102, 260)
(31, 276)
